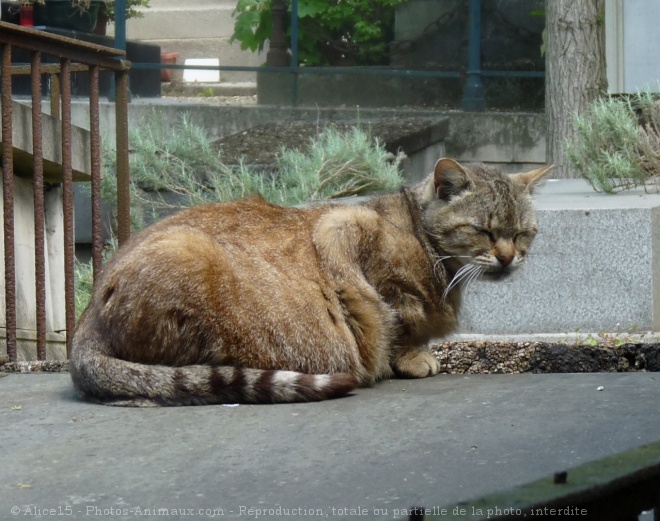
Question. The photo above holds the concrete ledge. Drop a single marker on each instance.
(52, 148)
(512, 141)
(26, 343)
(497, 137)
(595, 266)
(180, 88)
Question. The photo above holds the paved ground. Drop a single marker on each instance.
(400, 444)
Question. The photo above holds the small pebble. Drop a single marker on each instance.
(600, 388)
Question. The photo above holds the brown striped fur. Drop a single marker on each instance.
(254, 303)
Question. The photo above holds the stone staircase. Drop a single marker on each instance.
(196, 29)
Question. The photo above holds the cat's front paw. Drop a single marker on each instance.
(415, 363)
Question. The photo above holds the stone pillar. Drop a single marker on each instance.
(278, 53)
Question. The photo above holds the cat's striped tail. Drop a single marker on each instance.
(102, 378)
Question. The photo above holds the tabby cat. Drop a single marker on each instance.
(251, 302)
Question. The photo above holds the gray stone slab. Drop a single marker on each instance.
(400, 444)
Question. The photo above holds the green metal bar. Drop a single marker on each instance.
(474, 99)
(362, 71)
(120, 25)
(619, 487)
(357, 71)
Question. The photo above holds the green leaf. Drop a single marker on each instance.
(311, 8)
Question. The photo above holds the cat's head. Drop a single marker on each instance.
(479, 217)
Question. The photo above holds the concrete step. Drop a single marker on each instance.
(177, 23)
(220, 48)
(196, 29)
(188, 4)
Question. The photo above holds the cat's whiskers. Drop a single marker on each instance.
(439, 260)
(458, 276)
(465, 273)
(473, 276)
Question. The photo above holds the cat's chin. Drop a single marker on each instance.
(497, 274)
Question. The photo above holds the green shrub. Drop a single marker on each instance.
(618, 143)
(329, 32)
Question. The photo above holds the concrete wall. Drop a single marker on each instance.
(435, 34)
(632, 45)
(510, 140)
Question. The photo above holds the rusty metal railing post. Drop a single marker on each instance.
(8, 204)
(39, 207)
(73, 56)
(123, 175)
(95, 153)
(67, 203)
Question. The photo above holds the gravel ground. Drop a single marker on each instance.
(490, 357)
(541, 357)
(240, 101)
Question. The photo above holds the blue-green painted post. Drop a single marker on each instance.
(120, 43)
(294, 33)
(473, 96)
(294, 51)
(120, 24)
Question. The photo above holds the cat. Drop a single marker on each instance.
(251, 302)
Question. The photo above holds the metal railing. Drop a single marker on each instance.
(72, 56)
(283, 57)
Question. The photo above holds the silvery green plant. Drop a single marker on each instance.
(618, 143)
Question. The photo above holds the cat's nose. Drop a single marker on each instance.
(505, 260)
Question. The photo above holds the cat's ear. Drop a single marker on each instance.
(450, 179)
(533, 178)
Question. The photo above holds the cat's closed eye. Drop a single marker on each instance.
(486, 232)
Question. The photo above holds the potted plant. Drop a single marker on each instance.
(26, 13)
(107, 13)
(77, 15)
(131, 11)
